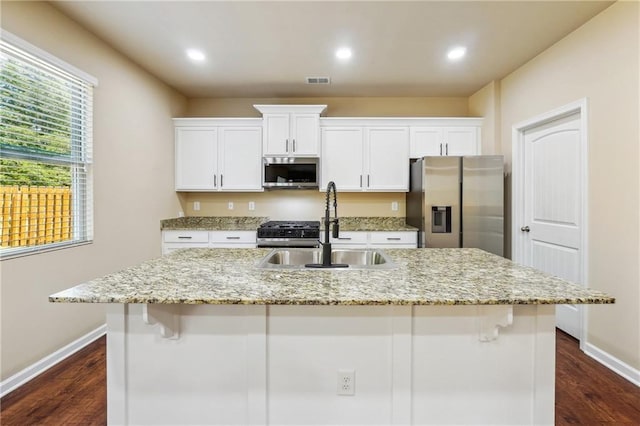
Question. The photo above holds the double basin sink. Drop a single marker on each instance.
(297, 258)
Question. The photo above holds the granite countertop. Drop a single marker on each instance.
(213, 223)
(374, 224)
(422, 277)
(241, 223)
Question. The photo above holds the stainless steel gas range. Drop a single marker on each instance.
(289, 234)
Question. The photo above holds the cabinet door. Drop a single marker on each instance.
(240, 159)
(276, 134)
(196, 159)
(388, 159)
(461, 141)
(342, 158)
(304, 135)
(426, 141)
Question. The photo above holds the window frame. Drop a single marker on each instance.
(79, 157)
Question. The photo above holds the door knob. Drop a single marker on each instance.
(525, 229)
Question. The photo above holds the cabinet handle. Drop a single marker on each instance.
(180, 237)
(294, 145)
(215, 180)
(368, 180)
(446, 149)
(233, 238)
(286, 145)
(344, 238)
(221, 181)
(393, 238)
(360, 181)
(440, 149)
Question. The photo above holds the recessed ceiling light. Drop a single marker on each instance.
(457, 53)
(195, 55)
(343, 53)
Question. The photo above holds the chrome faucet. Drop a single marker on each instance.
(326, 245)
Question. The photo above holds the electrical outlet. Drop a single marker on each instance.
(181, 214)
(252, 205)
(394, 206)
(230, 205)
(346, 382)
(196, 206)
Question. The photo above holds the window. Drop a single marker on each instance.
(45, 150)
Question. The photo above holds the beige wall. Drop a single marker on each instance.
(133, 181)
(599, 61)
(486, 103)
(336, 107)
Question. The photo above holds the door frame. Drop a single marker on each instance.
(517, 189)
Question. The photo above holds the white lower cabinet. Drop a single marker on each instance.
(232, 239)
(351, 239)
(376, 239)
(176, 240)
(394, 239)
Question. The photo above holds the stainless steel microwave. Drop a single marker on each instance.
(291, 172)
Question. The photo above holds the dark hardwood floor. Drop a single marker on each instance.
(74, 392)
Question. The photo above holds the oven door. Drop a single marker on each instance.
(288, 242)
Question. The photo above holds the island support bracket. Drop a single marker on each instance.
(166, 316)
(491, 319)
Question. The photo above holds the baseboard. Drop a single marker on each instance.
(613, 363)
(49, 361)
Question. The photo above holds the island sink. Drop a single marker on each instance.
(297, 258)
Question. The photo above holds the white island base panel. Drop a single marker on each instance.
(278, 364)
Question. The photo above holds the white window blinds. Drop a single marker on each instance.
(45, 153)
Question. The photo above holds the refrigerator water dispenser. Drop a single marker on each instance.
(441, 219)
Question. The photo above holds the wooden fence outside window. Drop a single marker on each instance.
(34, 215)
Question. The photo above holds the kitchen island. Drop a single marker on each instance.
(449, 336)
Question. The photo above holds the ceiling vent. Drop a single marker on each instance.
(318, 80)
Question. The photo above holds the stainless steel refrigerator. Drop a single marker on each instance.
(458, 202)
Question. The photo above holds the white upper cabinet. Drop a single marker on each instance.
(196, 159)
(444, 140)
(387, 159)
(218, 155)
(365, 158)
(342, 158)
(240, 158)
(291, 130)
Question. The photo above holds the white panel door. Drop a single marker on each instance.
(196, 162)
(552, 225)
(388, 159)
(240, 159)
(343, 158)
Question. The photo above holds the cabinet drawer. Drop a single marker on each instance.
(233, 237)
(350, 237)
(185, 236)
(398, 237)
